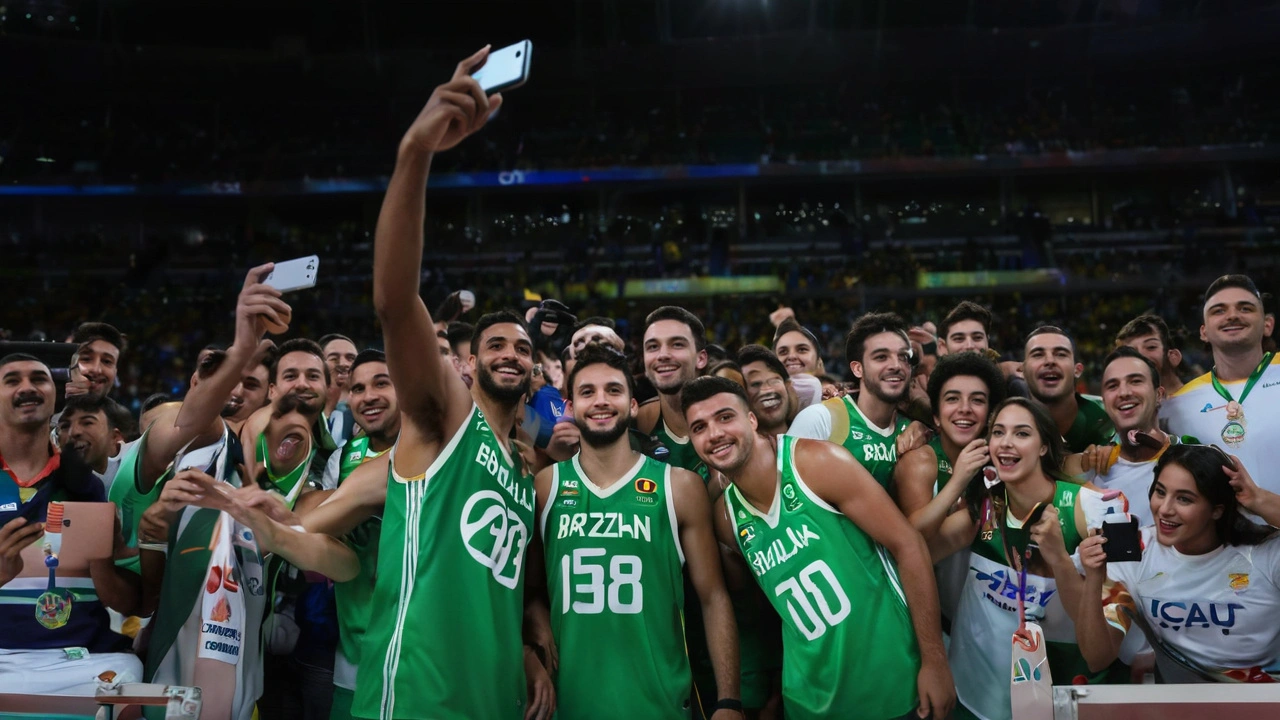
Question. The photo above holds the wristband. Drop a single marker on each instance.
(733, 704)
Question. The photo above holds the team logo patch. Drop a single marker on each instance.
(856, 435)
(569, 503)
(645, 485)
(747, 535)
(789, 494)
(567, 491)
(1239, 582)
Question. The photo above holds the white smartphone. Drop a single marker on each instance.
(293, 275)
(505, 69)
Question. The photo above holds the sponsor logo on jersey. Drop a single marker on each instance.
(354, 456)
(604, 525)
(1002, 586)
(790, 499)
(645, 485)
(1177, 615)
(569, 503)
(1023, 672)
(747, 535)
(1239, 582)
(780, 551)
(646, 499)
(856, 435)
(567, 491)
(569, 483)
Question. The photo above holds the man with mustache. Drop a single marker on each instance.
(1050, 368)
(664, 525)
(769, 389)
(32, 475)
(879, 354)
(1235, 404)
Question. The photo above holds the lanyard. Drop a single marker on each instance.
(1253, 380)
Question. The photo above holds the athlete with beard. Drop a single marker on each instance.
(617, 583)
(1235, 403)
(459, 499)
(674, 353)
(814, 527)
(769, 389)
(1050, 369)
(879, 354)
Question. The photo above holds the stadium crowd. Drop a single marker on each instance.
(833, 510)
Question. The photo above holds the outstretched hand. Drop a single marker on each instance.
(454, 111)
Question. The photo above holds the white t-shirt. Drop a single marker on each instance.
(1219, 609)
(1199, 411)
(1134, 480)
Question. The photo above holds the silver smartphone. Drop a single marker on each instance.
(293, 275)
(505, 69)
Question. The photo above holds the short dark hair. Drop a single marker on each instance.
(759, 353)
(155, 400)
(90, 331)
(1145, 325)
(868, 325)
(790, 325)
(367, 355)
(118, 416)
(1124, 351)
(459, 334)
(1244, 282)
(303, 345)
(679, 314)
(1051, 330)
(597, 354)
(965, 310)
(708, 386)
(209, 364)
(488, 320)
(594, 320)
(324, 341)
(967, 364)
(20, 357)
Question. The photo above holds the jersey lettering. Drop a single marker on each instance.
(622, 595)
(779, 552)
(1178, 615)
(878, 452)
(494, 536)
(489, 460)
(604, 525)
(814, 602)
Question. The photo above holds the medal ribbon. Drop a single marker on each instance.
(1248, 386)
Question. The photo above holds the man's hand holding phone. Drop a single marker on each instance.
(260, 310)
(454, 111)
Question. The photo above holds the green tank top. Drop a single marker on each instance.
(874, 448)
(614, 573)
(944, 465)
(1092, 425)
(680, 449)
(354, 598)
(450, 586)
(848, 645)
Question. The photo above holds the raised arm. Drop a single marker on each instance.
(432, 397)
(702, 560)
(838, 479)
(259, 309)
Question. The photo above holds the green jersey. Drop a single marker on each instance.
(354, 598)
(944, 465)
(450, 586)
(841, 421)
(681, 452)
(614, 573)
(848, 645)
(1092, 425)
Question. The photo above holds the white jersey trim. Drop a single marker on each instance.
(444, 455)
(671, 513)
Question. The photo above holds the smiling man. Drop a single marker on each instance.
(879, 355)
(861, 631)
(674, 354)
(1149, 335)
(1050, 368)
(1237, 403)
(339, 355)
(94, 429)
(769, 389)
(97, 358)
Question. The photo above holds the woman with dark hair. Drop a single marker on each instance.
(1031, 516)
(1207, 589)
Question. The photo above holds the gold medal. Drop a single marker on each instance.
(1233, 432)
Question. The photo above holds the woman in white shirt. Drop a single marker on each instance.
(1208, 585)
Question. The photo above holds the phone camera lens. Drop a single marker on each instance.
(517, 53)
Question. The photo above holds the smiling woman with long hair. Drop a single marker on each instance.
(1207, 588)
(1032, 516)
